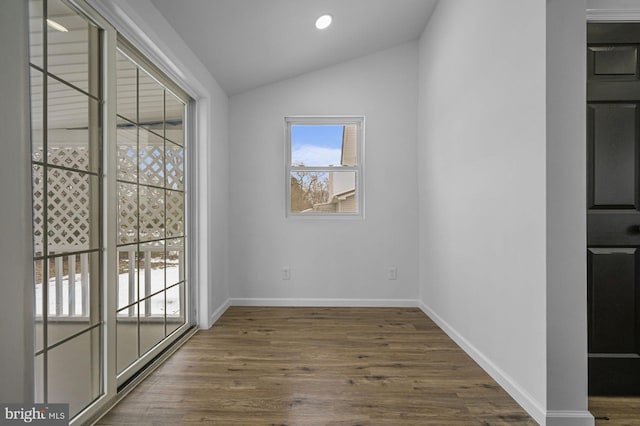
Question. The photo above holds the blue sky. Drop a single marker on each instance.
(316, 145)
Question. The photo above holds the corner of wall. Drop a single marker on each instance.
(522, 397)
(215, 316)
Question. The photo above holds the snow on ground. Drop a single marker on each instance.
(157, 302)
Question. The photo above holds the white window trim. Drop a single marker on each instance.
(358, 120)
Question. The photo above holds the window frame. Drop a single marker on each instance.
(358, 169)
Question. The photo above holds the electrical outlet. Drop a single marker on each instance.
(392, 273)
(286, 273)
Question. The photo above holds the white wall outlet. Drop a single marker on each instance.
(286, 273)
(392, 273)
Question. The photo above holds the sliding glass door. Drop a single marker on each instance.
(151, 237)
(66, 102)
(110, 219)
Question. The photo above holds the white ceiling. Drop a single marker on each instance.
(249, 43)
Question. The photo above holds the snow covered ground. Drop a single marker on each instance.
(157, 302)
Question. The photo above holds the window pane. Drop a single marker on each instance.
(323, 192)
(74, 371)
(73, 209)
(38, 209)
(175, 214)
(126, 88)
(127, 135)
(174, 164)
(39, 379)
(151, 103)
(152, 267)
(175, 261)
(151, 213)
(37, 111)
(151, 161)
(308, 189)
(38, 270)
(68, 112)
(174, 122)
(126, 337)
(127, 276)
(127, 213)
(152, 329)
(323, 145)
(36, 22)
(69, 282)
(175, 307)
(69, 35)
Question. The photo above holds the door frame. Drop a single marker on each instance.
(613, 15)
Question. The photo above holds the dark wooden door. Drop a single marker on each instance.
(613, 208)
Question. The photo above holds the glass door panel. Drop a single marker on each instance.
(67, 203)
(104, 304)
(151, 212)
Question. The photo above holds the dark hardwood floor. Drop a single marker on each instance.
(615, 411)
(319, 366)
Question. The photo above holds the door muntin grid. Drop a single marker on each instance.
(66, 110)
(151, 212)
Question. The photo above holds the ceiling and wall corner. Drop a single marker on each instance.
(249, 43)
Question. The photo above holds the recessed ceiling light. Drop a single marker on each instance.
(323, 21)
(53, 24)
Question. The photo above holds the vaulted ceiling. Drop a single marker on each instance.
(249, 43)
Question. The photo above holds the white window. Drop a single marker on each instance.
(324, 166)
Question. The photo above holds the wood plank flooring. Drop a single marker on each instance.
(319, 366)
(615, 411)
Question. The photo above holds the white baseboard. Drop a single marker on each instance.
(338, 303)
(569, 418)
(526, 401)
(218, 313)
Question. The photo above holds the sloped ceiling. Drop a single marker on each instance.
(249, 43)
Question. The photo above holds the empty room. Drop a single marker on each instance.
(320, 212)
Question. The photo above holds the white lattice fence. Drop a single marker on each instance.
(68, 200)
(144, 213)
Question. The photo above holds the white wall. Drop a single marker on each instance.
(330, 260)
(481, 155)
(16, 252)
(146, 28)
(566, 214)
